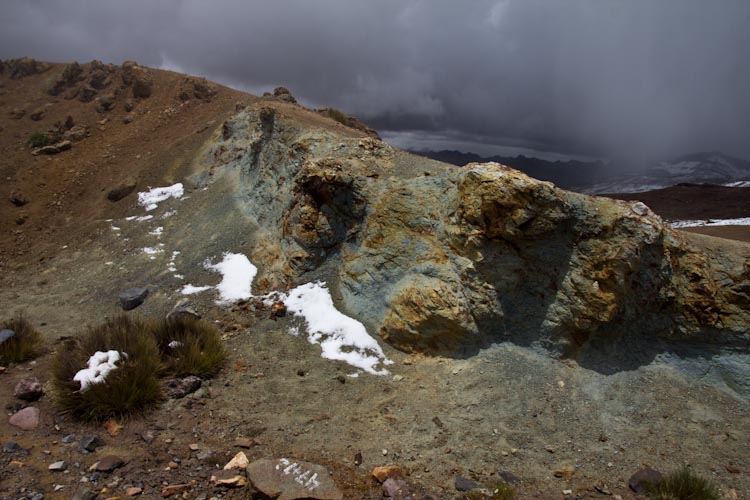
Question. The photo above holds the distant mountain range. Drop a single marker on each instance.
(597, 177)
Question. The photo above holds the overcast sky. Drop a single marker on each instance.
(629, 78)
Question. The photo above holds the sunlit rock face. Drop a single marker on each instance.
(445, 260)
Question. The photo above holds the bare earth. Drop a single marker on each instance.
(505, 409)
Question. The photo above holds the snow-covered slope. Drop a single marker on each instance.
(699, 168)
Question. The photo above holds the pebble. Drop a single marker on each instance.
(11, 447)
(131, 492)
(90, 442)
(58, 466)
(244, 443)
(463, 484)
(228, 479)
(175, 489)
(564, 472)
(398, 378)
(194, 447)
(108, 463)
(239, 461)
(384, 472)
(395, 488)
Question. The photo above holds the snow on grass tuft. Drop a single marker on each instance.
(151, 199)
(744, 221)
(99, 366)
(341, 337)
(238, 275)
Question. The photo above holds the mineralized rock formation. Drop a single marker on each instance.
(445, 260)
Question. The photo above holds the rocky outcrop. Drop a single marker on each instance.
(445, 260)
(138, 78)
(70, 76)
(23, 67)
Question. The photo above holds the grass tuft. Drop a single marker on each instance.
(25, 344)
(38, 140)
(684, 485)
(130, 388)
(196, 347)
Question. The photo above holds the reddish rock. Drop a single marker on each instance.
(28, 389)
(26, 419)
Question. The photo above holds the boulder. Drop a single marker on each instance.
(18, 199)
(105, 103)
(28, 389)
(643, 479)
(138, 78)
(99, 79)
(26, 419)
(37, 114)
(86, 93)
(76, 133)
(132, 298)
(121, 190)
(283, 94)
(142, 86)
(285, 479)
(54, 148)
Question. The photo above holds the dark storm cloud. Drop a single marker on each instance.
(637, 78)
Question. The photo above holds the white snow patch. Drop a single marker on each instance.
(152, 250)
(190, 289)
(238, 275)
(99, 366)
(179, 276)
(115, 228)
(151, 199)
(340, 337)
(175, 344)
(168, 214)
(157, 232)
(744, 221)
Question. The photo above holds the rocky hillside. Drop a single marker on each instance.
(510, 330)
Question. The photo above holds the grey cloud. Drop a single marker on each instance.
(638, 78)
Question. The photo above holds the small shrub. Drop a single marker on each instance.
(684, 485)
(130, 388)
(38, 140)
(337, 115)
(25, 344)
(189, 346)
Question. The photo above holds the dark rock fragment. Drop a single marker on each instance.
(132, 298)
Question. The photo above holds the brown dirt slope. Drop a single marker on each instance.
(699, 202)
